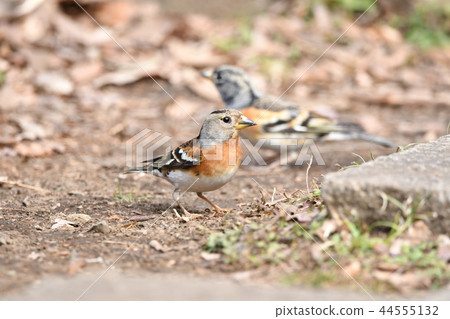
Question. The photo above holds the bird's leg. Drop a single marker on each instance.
(184, 210)
(189, 216)
(218, 210)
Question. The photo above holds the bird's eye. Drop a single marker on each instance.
(219, 76)
(226, 119)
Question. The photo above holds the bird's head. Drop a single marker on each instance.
(222, 125)
(233, 85)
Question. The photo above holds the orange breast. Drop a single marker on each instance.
(220, 159)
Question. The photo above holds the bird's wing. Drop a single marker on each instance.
(184, 156)
(285, 124)
(281, 116)
(287, 118)
(280, 119)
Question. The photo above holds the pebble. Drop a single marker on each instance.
(26, 202)
(3, 240)
(156, 245)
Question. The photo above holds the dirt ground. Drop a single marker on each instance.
(72, 147)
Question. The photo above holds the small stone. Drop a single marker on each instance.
(241, 275)
(101, 227)
(157, 246)
(4, 240)
(98, 260)
(210, 256)
(35, 256)
(26, 202)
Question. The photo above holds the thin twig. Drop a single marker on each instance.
(16, 183)
(140, 218)
(307, 174)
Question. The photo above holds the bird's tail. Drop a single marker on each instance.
(349, 131)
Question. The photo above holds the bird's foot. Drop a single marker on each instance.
(187, 217)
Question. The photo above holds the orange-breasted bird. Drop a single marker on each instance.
(206, 162)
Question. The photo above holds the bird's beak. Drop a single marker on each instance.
(243, 123)
(207, 74)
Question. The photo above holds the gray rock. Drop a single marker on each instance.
(420, 173)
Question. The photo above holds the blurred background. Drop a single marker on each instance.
(60, 72)
(78, 79)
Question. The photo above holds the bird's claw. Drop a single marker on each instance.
(187, 216)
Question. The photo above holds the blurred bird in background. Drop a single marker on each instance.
(280, 121)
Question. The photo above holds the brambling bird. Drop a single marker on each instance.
(206, 162)
(280, 121)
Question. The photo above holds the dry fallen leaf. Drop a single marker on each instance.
(389, 34)
(328, 227)
(38, 149)
(419, 231)
(130, 73)
(198, 55)
(115, 13)
(84, 72)
(30, 129)
(404, 282)
(385, 266)
(54, 82)
(353, 269)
